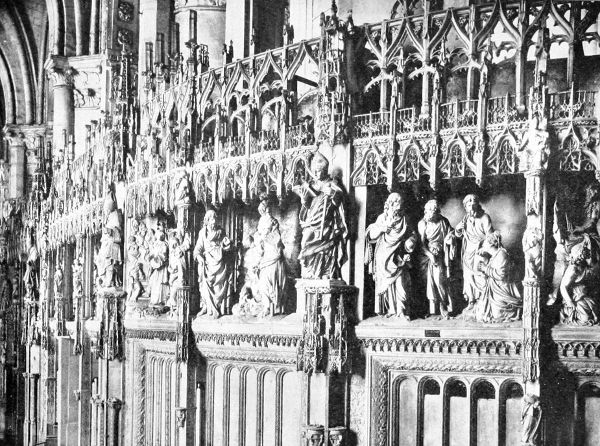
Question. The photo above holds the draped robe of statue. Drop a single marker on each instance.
(500, 299)
(475, 230)
(323, 249)
(390, 270)
(214, 270)
(159, 277)
(433, 236)
(271, 268)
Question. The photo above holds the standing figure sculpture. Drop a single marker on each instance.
(438, 248)
(531, 418)
(324, 230)
(389, 243)
(110, 259)
(500, 299)
(158, 282)
(270, 268)
(30, 276)
(214, 253)
(473, 228)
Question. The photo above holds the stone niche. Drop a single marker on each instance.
(502, 198)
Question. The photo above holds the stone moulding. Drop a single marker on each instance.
(161, 335)
(271, 356)
(449, 346)
(251, 340)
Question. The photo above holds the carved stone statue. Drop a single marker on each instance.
(532, 247)
(500, 299)
(110, 260)
(579, 287)
(438, 248)
(324, 231)
(177, 266)
(473, 228)
(58, 280)
(531, 418)
(30, 276)
(213, 251)
(158, 282)
(270, 267)
(389, 243)
(182, 189)
(577, 257)
(135, 271)
(6, 287)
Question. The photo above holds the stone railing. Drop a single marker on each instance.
(504, 110)
(371, 125)
(572, 104)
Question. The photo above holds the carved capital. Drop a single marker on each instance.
(114, 403)
(180, 416)
(59, 72)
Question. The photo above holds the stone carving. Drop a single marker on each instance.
(531, 418)
(390, 243)
(532, 247)
(182, 189)
(500, 299)
(135, 270)
(31, 269)
(179, 244)
(124, 37)
(213, 251)
(324, 231)
(313, 435)
(438, 249)
(110, 260)
(270, 267)
(158, 282)
(579, 286)
(578, 262)
(125, 11)
(473, 229)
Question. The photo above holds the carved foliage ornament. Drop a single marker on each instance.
(125, 12)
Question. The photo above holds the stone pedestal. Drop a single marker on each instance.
(110, 308)
(323, 357)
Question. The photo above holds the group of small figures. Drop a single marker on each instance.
(397, 254)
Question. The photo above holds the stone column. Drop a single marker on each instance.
(63, 118)
(533, 162)
(16, 157)
(208, 27)
(114, 404)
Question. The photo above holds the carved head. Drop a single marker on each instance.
(263, 208)
(471, 204)
(320, 166)
(492, 241)
(210, 219)
(432, 210)
(393, 206)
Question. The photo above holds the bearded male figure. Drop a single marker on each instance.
(389, 243)
(324, 231)
(437, 250)
(473, 228)
(213, 252)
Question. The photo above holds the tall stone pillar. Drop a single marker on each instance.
(533, 162)
(63, 117)
(16, 158)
